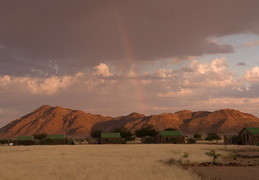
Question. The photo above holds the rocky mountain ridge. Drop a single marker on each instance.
(76, 123)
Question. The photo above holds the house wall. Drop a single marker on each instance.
(170, 139)
(248, 138)
(111, 140)
(26, 142)
(94, 141)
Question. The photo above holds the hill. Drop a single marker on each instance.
(76, 123)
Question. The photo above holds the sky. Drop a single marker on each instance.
(115, 57)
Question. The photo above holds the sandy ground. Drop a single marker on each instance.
(233, 173)
(229, 173)
(124, 161)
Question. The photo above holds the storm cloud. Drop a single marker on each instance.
(78, 34)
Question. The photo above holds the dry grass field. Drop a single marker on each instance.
(103, 162)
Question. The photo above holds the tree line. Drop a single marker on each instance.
(149, 131)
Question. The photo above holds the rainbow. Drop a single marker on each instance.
(129, 53)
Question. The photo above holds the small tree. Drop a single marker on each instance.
(213, 154)
(212, 136)
(124, 132)
(146, 131)
(197, 136)
(96, 133)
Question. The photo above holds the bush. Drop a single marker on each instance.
(70, 141)
(197, 136)
(96, 133)
(185, 155)
(123, 141)
(213, 154)
(236, 140)
(191, 141)
(3, 141)
(212, 136)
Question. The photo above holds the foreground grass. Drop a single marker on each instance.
(97, 162)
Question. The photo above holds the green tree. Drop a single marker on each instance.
(146, 131)
(212, 136)
(124, 132)
(40, 138)
(197, 136)
(96, 133)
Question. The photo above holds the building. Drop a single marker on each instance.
(24, 140)
(172, 136)
(56, 139)
(111, 138)
(250, 135)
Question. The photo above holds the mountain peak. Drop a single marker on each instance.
(135, 115)
(43, 107)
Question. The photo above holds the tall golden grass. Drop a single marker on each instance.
(101, 162)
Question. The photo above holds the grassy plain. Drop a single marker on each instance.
(102, 162)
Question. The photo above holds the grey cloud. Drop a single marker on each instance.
(187, 69)
(241, 64)
(84, 33)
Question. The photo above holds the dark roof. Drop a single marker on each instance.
(24, 138)
(56, 136)
(170, 133)
(253, 130)
(110, 135)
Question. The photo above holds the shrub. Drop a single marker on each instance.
(185, 155)
(96, 133)
(197, 136)
(3, 141)
(237, 140)
(70, 141)
(191, 141)
(212, 136)
(124, 141)
(213, 154)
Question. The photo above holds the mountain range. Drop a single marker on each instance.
(77, 123)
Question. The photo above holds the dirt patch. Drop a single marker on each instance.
(242, 165)
(228, 172)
